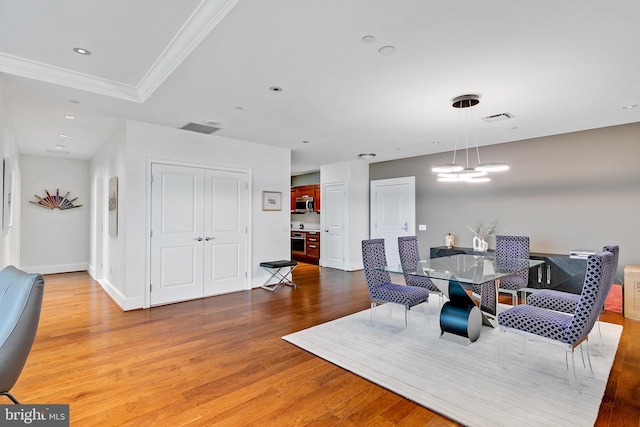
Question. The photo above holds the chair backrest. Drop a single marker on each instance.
(615, 250)
(596, 284)
(409, 254)
(20, 305)
(374, 258)
(513, 247)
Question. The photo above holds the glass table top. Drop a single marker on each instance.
(472, 269)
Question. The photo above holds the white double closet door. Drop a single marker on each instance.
(198, 232)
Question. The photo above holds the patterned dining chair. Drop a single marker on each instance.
(410, 260)
(381, 289)
(510, 248)
(566, 302)
(569, 330)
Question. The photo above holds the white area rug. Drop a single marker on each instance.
(464, 382)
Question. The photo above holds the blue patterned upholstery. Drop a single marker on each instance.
(509, 248)
(410, 260)
(565, 328)
(379, 282)
(566, 302)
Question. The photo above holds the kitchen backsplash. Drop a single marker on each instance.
(309, 221)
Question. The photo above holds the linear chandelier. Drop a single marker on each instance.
(455, 172)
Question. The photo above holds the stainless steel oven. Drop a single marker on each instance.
(298, 243)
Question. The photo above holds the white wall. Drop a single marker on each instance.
(54, 241)
(573, 191)
(129, 154)
(355, 176)
(9, 245)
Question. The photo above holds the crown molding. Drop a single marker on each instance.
(205, 18)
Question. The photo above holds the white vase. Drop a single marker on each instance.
(479, 244)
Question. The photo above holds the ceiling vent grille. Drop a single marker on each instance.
(195, 127)
(498, 117)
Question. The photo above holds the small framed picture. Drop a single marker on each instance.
(271, 201)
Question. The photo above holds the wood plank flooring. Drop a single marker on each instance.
(220, 361)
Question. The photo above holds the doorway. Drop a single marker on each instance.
(198, 232)
(393, 212)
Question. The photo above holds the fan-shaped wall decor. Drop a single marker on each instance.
(52, 202)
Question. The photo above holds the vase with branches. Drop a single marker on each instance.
(482, 233)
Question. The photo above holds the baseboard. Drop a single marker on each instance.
(121, 301)
(55, 269)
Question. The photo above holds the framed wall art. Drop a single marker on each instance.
(271, 201)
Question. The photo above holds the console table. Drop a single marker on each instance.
(558, 272)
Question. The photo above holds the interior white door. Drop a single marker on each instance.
(198, 232)
(177, 211)
(393, 212)
(334, 210)
(225, 232)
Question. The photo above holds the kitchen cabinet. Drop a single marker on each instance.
(312, 190)
(311, 245)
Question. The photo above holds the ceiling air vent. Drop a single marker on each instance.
(195, 127)
(498, 117)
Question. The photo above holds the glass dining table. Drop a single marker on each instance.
(463, 271)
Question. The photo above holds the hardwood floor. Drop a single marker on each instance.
(220, 361)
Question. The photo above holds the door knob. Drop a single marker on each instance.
(208, 238)
(406, 227)
(199, 239)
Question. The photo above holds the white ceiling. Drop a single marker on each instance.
(557, 66)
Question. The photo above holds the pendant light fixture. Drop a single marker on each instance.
(456, 172)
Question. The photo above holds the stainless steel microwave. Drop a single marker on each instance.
(304, 204)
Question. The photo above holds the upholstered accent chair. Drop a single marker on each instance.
(510, 248)
(569, 330)
(20, 304)
(566, 302)
(410, 260)
(381, 289)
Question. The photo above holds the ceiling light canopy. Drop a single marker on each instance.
(366, 156)
(455, 172)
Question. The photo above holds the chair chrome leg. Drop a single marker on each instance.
(373, 311)
(406, 317)
(10, 396)
(589, 357)
(502, 350)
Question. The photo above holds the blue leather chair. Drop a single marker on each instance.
(379, 281)
(410, 260)
(20, 305)
(569, 330)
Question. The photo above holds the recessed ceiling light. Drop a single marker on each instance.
(63, 135)
(368, 39)
(387, 50)
(239, 108)
(69, 116)
(629, 107)
(366, 156)
(59, 147)
(74, 101)
(435, 142)
(305, 142)
(275, 89)
(82, 51)
(212, 122)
